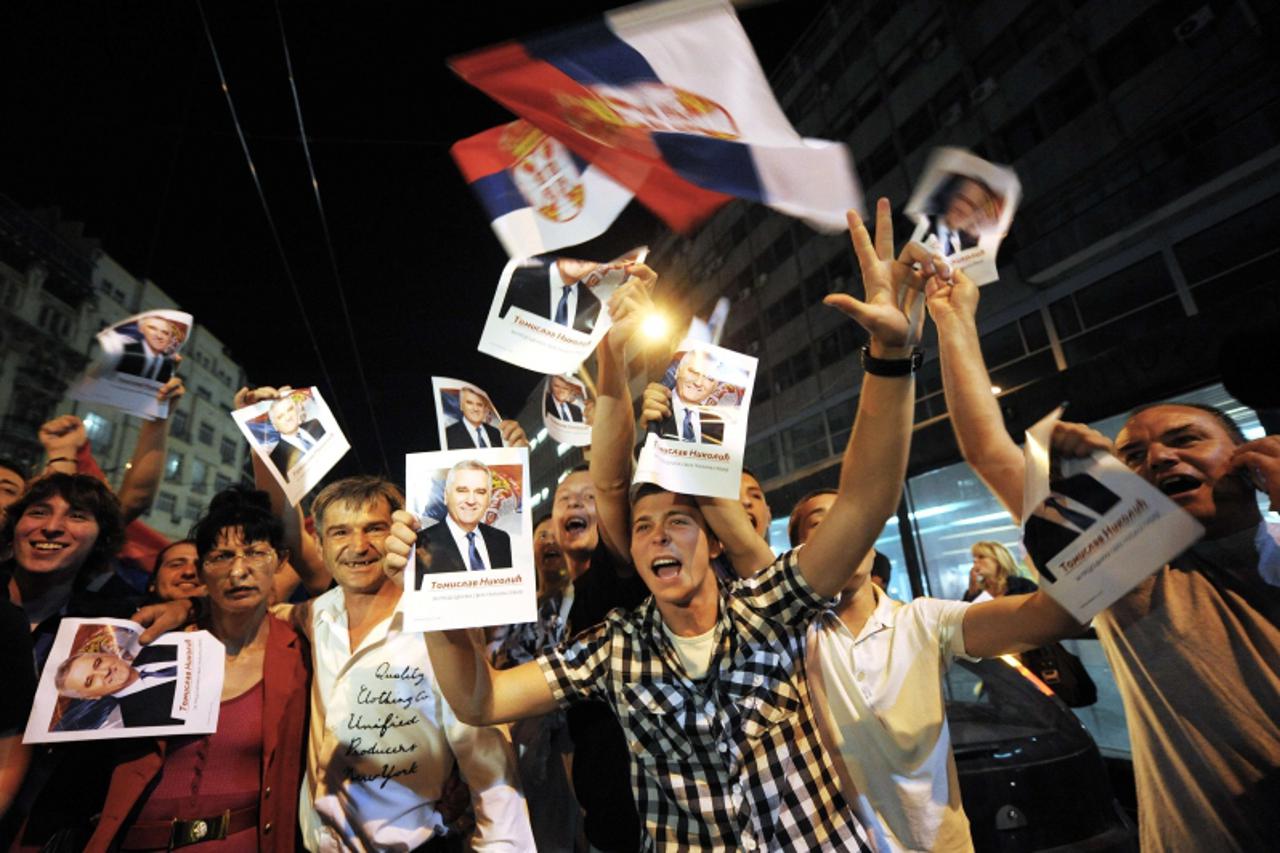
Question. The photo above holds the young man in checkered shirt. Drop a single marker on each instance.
(710, 685)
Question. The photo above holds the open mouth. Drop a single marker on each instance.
(1178, 484)
(361, 564)
(575, 524)
(550, 552)
(49, 547)
(665, 568)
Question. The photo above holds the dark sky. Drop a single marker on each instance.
(111, 111)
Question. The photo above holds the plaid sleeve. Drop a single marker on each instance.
(578, 669)
(781, 593)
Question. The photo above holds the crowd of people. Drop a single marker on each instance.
(683, 687)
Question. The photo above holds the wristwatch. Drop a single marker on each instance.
(890, 366)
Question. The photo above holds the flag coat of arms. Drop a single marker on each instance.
(539, 196)
(669, 100)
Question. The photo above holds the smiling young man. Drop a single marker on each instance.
(383, 741)
(710, 685)
(1195, 648)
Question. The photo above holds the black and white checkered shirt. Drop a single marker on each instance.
(732, 761)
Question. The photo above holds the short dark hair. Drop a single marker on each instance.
(84, 493)
(238, 507)
(16, 467)
(160, 555)
(793, 525)
(1224, 420)
(355, 491)
(546, 516)
(881, 568)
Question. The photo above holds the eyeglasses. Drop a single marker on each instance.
(254, 558)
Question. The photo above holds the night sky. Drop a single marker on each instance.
(111, 111)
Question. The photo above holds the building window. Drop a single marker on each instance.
(166, 503)
(173, 468)
(178, 424)
(199, 473)
(203, 393)
(206, 433)
(221, 482)
(98, 429)
(227, 449)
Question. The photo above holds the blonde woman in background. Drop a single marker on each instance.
(995, 572)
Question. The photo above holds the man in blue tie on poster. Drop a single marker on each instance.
(462, 542)
(297, 437)
(555, 289)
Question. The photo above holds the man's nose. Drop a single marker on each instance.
(1160, 458)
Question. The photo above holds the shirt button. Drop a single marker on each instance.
(862, 676)
(758, 680)
(266, 830)
(722, 746)
(266, 792)
(748, 842)
(737, 789)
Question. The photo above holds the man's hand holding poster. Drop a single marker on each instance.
(548, 314)
(99, 683)
(1093, 528)
(696, 422)
(135, 358)
(963, 206)
(473, 564)
(295, 434)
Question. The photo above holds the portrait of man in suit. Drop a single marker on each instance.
(114, 692)
(147, 347)
(963, 207)
(1074, 505)
(561, 394)
(473, 430)
(462, 542)
(297, 437)
(555, 290)
(693, 386)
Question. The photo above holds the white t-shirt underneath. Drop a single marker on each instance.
(887, 719)
(694, 652)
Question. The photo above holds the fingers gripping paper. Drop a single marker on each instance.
(1093, 528)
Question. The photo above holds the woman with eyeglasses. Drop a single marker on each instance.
(236, 789)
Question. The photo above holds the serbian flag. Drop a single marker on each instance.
(669, 100)
(539, 196)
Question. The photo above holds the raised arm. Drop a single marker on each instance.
(747, 551)
(306, 563)
(142, 476)
(984, 442)
(478, 694)
(875, 460)
(1016, 623)
(614, 429)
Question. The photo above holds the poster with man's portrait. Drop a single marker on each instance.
(473, 564)
(696, 448)
(567, 410)
(1093, 528)
(548, 314)
(963, 206)
(133, 360)
(297, 436)
(465, 415)
(100, 683)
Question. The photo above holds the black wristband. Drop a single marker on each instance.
(890, 366)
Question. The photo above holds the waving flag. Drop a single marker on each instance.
(670, 101)
(539, 196)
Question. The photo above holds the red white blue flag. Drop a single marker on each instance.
(539, 196)
(669, 99)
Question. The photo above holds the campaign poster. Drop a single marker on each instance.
(548, 314)
(473, 564)
(697, 448)
(133, 361)
(100, 683)
(1093, 528)
(465, 415)
(567, 410)
(297, 436)
(963, 207)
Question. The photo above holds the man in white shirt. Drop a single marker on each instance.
(383, 740)
(876, 666)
